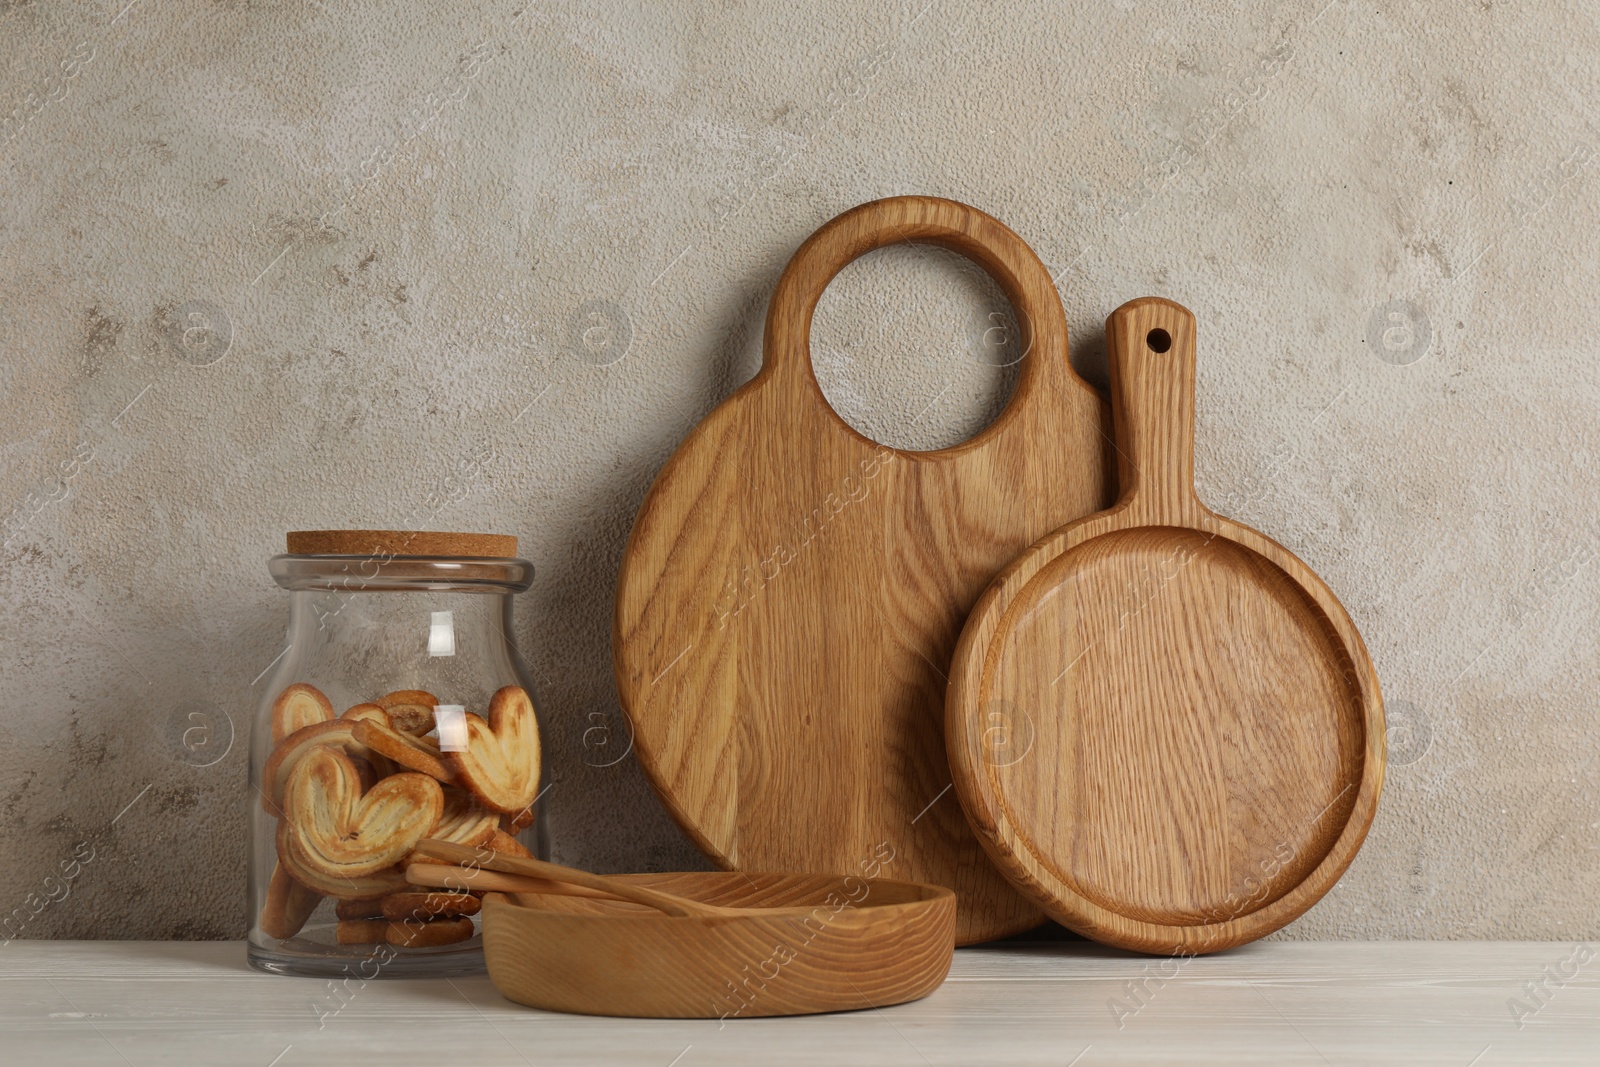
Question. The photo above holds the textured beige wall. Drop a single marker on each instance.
(283, 265)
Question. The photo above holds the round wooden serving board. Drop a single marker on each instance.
(1162, 724)
(792, 591)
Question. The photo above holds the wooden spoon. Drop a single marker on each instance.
(666, 903)
(446, 876)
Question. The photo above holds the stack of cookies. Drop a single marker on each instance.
(353, 794)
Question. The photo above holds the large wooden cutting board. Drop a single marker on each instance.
(792, 591)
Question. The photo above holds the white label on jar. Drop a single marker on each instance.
(442, 635)
(452, 722)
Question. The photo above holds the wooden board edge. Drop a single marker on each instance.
(986, 812)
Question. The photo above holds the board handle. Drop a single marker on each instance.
(950, 224)
(1150, 345)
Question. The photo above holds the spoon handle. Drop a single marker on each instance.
(460, 879)
(665, 903)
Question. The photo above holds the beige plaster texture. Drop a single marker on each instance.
(295, 264)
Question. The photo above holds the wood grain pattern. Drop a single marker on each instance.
(1162, 723)
(783, 945)
(792, 591)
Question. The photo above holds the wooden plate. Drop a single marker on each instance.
(819, 944)
(1163, 725)
(792, 591)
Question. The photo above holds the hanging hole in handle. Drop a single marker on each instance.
(916, 347)
(1158, 339)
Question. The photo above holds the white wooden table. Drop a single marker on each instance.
(138, 1003)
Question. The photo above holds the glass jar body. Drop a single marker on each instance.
(336, 803)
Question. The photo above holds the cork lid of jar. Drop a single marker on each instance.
(400, 543)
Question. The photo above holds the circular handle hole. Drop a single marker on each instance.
(1158, 339)
(915, 347)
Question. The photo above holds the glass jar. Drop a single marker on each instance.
(399, 710)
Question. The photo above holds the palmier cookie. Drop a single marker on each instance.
(465, 821)
(359, 909)
(410, 710)
(297, 706)
(414, 933)
(288, 905)
(338, 831)
(515, 824)
(364, 887)
(501, 762)
(504, 843)
(429, 904)
(337, 734)
(356, 713)
(362, 931)
(420, 754)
